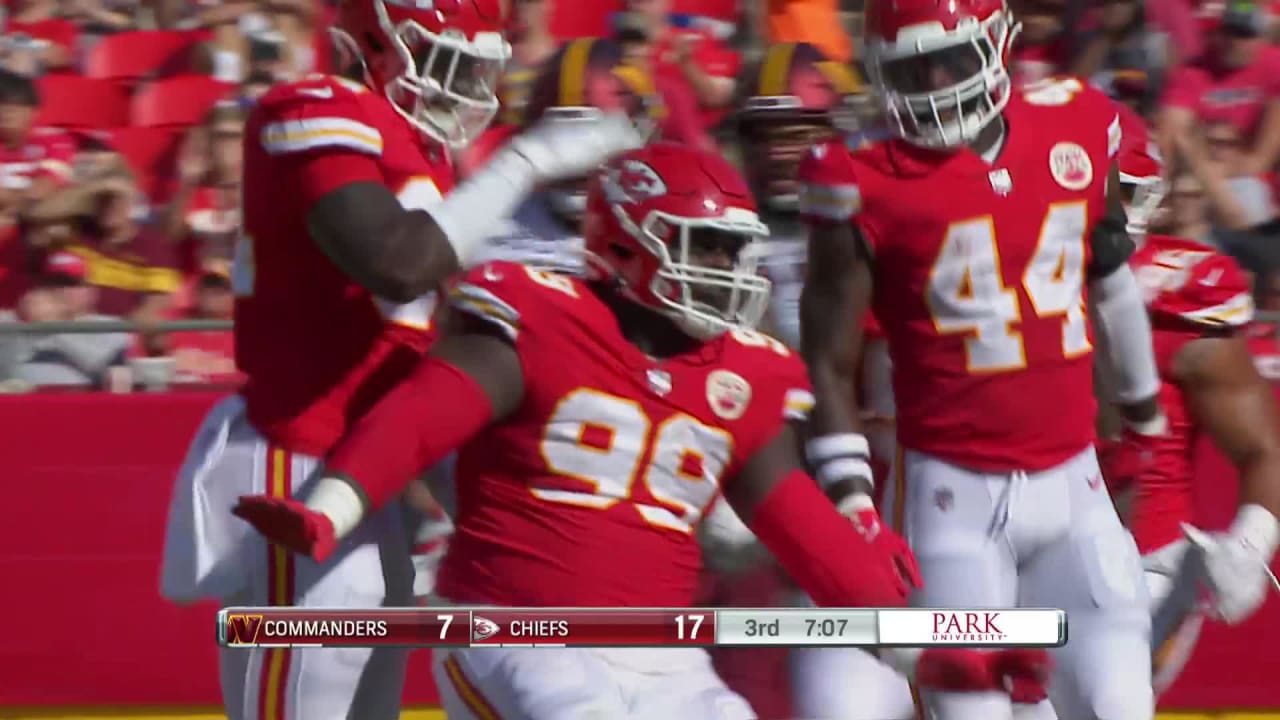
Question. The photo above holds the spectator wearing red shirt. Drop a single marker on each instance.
(33, 161)
(202, 356)
(1042, 49)
(35, 29)
(1236, 80)
(687, 57)
(682, 122)
(532, 44)
(203, 218)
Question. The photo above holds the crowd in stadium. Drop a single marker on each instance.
(122, 125)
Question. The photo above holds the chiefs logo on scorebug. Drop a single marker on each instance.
(483, 628)
(631, 181)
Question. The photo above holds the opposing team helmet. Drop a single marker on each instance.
(940, 66)
(437, 61)
(584, 80)
(794, 97)
(1141, 173)
(677, 230)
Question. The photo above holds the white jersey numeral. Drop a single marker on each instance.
(967, 291)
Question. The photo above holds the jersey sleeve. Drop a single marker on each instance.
(317, 115)
(829, 191)
(514, 299)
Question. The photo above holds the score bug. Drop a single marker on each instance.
(825, 628)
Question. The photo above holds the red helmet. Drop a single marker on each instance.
(940, 66)
(792, 99)
(583, 80)
(1141, 172)
(677, 229)
(438, 61)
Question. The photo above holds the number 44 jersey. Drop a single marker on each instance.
(588, 494)
(979, 272)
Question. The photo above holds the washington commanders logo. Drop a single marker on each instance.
(728, 393)
(632, 181)
(1070, 166)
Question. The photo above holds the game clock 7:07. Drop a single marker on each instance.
(825, 628)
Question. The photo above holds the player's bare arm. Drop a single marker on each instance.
(1237, 407)
(1120, 316)
(472, 377)
(836, 296)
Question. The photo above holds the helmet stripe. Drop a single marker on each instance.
(775, 69)
(573, 71)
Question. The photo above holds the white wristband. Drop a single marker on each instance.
(855, 503)
(1258, 527)
(828, 447)
(1156, 426)
(337, 500)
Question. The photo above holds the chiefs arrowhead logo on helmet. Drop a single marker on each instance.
(483, 628)
(629, 181)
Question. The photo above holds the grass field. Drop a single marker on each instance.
(420, 714)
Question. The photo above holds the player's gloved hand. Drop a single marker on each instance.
(1236, 562)
(289, 523)
(1023, 671)
(562, 149)
(888, 545)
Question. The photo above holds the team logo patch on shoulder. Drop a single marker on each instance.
(728, 393)
(1070, 166)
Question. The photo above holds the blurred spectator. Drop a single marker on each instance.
(1124, 51)
(683, 122)
(689, 57)
(532, 45)
(1042, 50)
(202, 356)
(129, 262)
(816, 22)
(61, 359)
(203, 218)
(33, 161)
(14, 276)
(96, 18)
(1236, 81)
(42, 39)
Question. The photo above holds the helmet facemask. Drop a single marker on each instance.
(444, 84)
(1142, 199)
(707, 279)
(940, 90)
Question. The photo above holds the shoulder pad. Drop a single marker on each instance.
(315, 113)
(1064, 90)
(502, 293)
(828, 183)
(1193, 283)
(772, 359)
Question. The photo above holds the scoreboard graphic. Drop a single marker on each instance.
(686, 627)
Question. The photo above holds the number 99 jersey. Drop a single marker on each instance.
(588, 494)
(980, 272)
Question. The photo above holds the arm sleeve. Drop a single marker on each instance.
(1121, 317)
(829, 191)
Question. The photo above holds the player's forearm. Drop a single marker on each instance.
(417, 424)
(1260, 481)
(1121, 317)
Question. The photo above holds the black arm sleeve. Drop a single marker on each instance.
(396, 254)
(1110, 241)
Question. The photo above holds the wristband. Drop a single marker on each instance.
(334, 498)
(855, 503)
(838, 457)
(1156, 426)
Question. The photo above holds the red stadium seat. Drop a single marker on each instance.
(582, 18)
(178, 101)
(75, 102)
(132, 56)
(152, 153)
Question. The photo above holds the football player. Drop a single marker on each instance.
(1200, 304)
(793, 98)
(975, 233)
(346, 233)
(585, 80)
(597, 419)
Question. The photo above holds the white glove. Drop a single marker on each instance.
(1236, 562)
(563, 149)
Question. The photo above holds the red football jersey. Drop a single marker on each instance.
(46, 153)
(588, 494)
(980, 275)
(1189, 289)
(317, 348)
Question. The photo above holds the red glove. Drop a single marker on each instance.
(883, 539)
(289, 523)
(1022, 672)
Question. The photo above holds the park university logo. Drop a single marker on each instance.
(483, 628)
(959, 627)
(241, 629)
